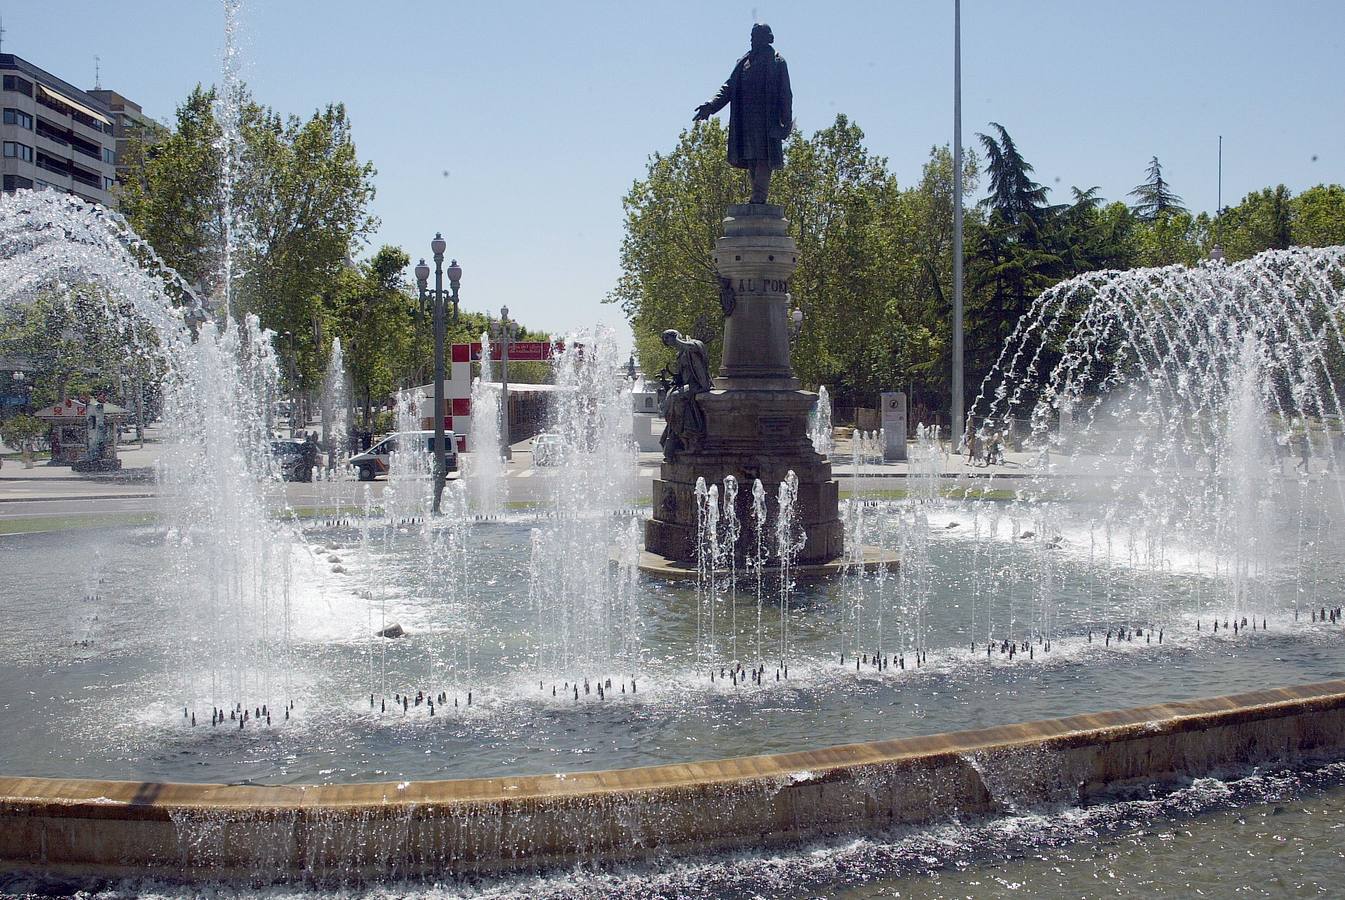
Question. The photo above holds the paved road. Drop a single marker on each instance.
(56, 493)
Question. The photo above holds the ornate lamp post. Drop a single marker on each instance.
(503, 333)
(22, 387)
(437, 297)
(294, 381)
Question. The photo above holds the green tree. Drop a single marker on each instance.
(1154, 197)
(844, 207)
(171, 194)
(1170, 238)
(79, 343)
(855, 233)
(375, 319)
(300, 203)
(1014, 253)
(22, 432)
(673, 217)
(388, 335)
(1262, 221)
(306, 195)
(1013, 194)
(1319, 216)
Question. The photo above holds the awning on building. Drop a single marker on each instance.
(73, 104)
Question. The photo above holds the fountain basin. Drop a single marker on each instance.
(874, 558)
(342, 833)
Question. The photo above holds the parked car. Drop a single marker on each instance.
(374, 461)
(546, 449)
(295, 459)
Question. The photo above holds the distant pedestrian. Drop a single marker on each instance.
(1304, 454)
(311, 454)
(970, 442)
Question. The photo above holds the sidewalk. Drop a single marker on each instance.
(137, 477)
(951, 465)
(59, 482)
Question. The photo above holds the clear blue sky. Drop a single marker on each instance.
(515, 128)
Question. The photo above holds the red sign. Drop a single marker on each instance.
(518, 350)
(533, 350)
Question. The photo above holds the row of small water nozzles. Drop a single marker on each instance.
(238, 713)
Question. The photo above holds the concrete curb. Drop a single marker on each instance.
(342, 833)
(69, 497)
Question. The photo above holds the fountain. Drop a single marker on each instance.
(335, 406)
(1100, 582)
(410, 488)
(234, 692)
(819, 423)
(1179, 387)
(483, 466)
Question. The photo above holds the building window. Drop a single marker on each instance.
(109, 156)
(18, 85)
(18, 117)
(15, 150)
(107, 183)
(14, 182)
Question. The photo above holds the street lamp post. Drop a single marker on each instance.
(22, 386)
(294, 394)
(503, 333)
(437, 247)
(956, 423)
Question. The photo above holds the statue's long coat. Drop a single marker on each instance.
(761, 109)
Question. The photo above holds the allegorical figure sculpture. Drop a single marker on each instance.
(690, 378)
(760, 111)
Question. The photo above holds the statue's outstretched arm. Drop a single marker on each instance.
(719, 100)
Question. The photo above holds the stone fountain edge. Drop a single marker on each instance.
(340, 832)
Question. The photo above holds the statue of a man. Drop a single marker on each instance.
(691, 377)
(761, 111)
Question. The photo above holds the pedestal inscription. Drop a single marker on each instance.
(756, 417)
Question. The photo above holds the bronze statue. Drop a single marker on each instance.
(761, 111)
(683, 414)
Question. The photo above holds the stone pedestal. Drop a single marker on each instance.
(756, 418)
(893, 413)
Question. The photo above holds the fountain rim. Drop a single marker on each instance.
(104, 799)
(874, 558)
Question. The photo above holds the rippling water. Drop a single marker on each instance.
(96, 665)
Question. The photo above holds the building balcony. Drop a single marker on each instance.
(89, 178)
(52, 166)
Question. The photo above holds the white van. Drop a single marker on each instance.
(374, 461)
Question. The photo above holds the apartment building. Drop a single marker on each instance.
(54, 135)
(129, 124)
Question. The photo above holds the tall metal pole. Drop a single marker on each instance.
(506, 331)
(440, 462)
(294, 391)
(958, 417)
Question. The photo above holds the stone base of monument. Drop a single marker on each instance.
(750, 435)
(756, 418)
(873, 559)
